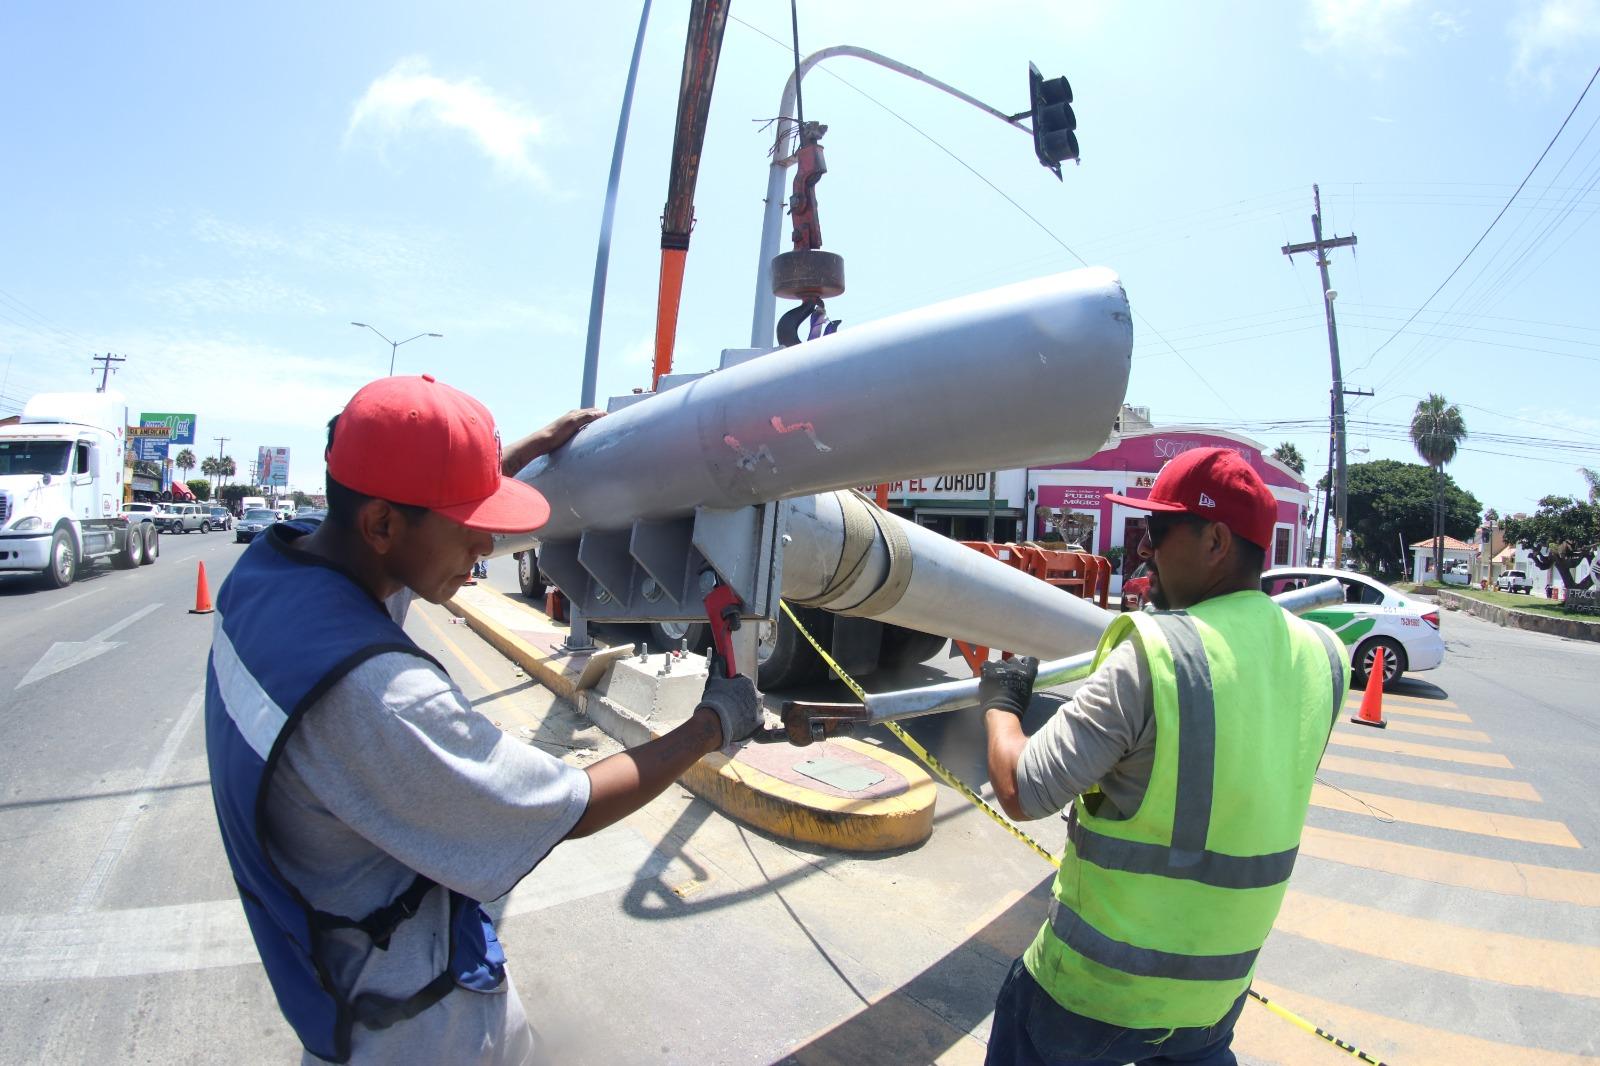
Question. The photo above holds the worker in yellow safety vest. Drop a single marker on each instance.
(1187, 761)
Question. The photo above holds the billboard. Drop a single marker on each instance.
(182, 426)
(272, 466)
(147, 446)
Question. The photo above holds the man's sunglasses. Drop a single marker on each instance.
(1158, 524)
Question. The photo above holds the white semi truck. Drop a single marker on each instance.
(62, 484)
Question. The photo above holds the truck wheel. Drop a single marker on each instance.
(904, 647)
(152, 544)
(132, 553)
(784, 658)
(63, 565)
(529, 579)
(1394, 662)
(669, 636)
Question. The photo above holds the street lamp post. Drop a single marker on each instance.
(394, 346)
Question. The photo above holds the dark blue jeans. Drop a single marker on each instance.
(1031, 1029)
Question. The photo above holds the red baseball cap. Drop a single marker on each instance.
(1217, 485)
(418, 441)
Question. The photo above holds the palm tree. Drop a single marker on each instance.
(226, 467)
(184, 462)
(1287, 454)
(1436, 429)
(1593, 478)
(210, 467)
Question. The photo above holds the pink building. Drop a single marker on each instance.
(1071, 497)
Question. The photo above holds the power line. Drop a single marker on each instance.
(1496, 219)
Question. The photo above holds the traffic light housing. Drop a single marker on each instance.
(1053, 121)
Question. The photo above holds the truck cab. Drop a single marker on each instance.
(61, 487)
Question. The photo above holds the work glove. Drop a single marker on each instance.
(1007, 684)
(737, 707)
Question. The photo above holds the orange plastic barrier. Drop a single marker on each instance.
(1081, 574)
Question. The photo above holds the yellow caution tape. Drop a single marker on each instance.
(923, 753)
(1005, 823)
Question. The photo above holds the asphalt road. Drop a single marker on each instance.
(1446, 906)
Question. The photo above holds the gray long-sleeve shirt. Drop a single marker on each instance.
(1105, 735)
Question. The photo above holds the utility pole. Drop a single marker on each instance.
(1321, 248)
(221, 443)
(106, 367)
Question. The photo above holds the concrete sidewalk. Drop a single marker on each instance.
(842, 794)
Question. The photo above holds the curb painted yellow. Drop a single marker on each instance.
(792, 812)
(513, 647)
(742, 792)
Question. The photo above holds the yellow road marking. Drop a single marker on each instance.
(1411, 775)
(1477, 954)
(1414, 712)
(1375, 741)
(1439, 816)
(472, 668)
(1450, 868)
(1421, 729)
(1383, 1037)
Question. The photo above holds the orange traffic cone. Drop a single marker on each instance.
(1372, 699)
(202, 594)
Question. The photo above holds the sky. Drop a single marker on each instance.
(217, 191)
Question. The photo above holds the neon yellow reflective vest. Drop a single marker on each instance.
(1158, 918)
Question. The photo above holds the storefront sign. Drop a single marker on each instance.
(972, 486)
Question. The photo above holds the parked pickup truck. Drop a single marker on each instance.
(1514, 581)
(183, 518)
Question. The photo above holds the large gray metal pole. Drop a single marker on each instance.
(961, 695)
(602, 258)
(860, 406)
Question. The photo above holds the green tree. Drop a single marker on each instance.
(1437, 428)
(230, 495)
(1391, 506)
(226, 467)
(200, 487)
(184, 461)
(210, 467)
(1287, 454)
(1593, 478)
(1562, 533)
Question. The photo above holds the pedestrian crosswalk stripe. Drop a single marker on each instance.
(1372, 740)
(1413, 775)
(1504, 878)
(1422, 729)
(1440, 816)
(1388, 1038)
(1389, 708)
(1477, 954)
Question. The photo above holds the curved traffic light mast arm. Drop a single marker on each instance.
(761, 324)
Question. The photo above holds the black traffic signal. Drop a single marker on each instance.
(1053, 121)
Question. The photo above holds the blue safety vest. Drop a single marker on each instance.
(289, 626)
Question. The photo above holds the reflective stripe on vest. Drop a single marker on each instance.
(1125, 942)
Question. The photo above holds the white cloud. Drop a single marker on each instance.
(411, 96)
(1548, 32)
(252, 294)
(1372, 27)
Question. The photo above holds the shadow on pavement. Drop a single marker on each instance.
(936, 1009)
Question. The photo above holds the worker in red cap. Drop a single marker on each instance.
(1185, 762)
(365, 806)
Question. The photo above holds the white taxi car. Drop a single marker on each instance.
(1372, 616)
